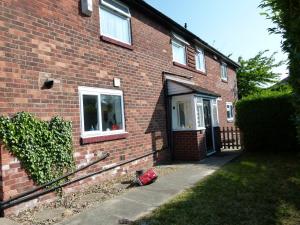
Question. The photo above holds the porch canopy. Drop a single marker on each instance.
(180, 88)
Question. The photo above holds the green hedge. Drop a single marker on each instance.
(267, 121)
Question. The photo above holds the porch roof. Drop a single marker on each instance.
(190, 88)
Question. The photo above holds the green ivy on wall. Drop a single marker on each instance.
(44, 148)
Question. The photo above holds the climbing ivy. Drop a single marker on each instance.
(44, 148)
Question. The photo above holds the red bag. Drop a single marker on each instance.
(147, 178)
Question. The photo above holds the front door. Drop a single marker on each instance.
(208, 126)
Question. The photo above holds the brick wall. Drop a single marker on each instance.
(51, 39)
(189, 145)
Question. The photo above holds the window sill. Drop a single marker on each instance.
(230, 120)
(225, 81)
(188, 68)
(97, 139)
(115, 42)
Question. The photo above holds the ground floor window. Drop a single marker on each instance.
(229, 108)
(102, 111)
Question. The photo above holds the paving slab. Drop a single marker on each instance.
(140, 201)
(5, 221)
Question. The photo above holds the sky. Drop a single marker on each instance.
(231, 26)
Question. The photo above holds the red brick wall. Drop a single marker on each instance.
(189, 145)
(45, 38)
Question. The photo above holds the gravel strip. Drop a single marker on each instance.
(74, 203)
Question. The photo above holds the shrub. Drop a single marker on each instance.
(267, 121)
(44, 148)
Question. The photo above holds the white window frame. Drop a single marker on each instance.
(215, 121)
(98, 92)
(224, 71)
(197, 60)
(179, 42)
(229, 107)
(112, 9)
(199, 103)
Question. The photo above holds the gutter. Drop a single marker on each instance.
(174, 26)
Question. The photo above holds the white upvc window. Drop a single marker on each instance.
(101, 112)
(179, 49)
(200, 60)
(115, 21)
(199, 113)
(229, 109)
(224, 73)
(215, 113)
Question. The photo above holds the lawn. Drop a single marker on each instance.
(255, 189)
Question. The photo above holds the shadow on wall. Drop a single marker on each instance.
(157, 128)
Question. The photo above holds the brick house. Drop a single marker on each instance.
(129, 78)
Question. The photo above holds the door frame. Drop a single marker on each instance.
(212, 130)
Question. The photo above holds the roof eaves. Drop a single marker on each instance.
(176, 27)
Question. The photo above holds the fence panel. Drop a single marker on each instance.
(230, 138)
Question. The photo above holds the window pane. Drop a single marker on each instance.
(224, 72)
(90, 110)
(178, 53)
(114, 25)
(200, 116)
(200, 64)
(181, 115)
(111, 109)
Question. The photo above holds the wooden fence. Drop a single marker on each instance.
(230, 138)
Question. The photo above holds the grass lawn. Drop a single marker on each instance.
(255, 189)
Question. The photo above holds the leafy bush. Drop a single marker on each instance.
(286, 15)
(43, 148)
(267, 121)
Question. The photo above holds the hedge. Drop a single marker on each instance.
(267, 122)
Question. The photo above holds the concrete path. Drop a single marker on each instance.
(143, 200)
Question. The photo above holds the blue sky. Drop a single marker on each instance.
(231, 26)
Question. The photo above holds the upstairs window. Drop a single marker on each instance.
(200, 60)
(102, 112)
(229, 109)
(115, 21)
(224, 74)
(179, 49)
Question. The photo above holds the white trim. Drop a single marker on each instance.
(116, 9)
(102, 90)
(196, 112)
(212, 131)
(217, 111)
(98, 92)
(181, 80)
(179, 44)
(179, 38)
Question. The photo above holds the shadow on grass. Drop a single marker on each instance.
(257, 189)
